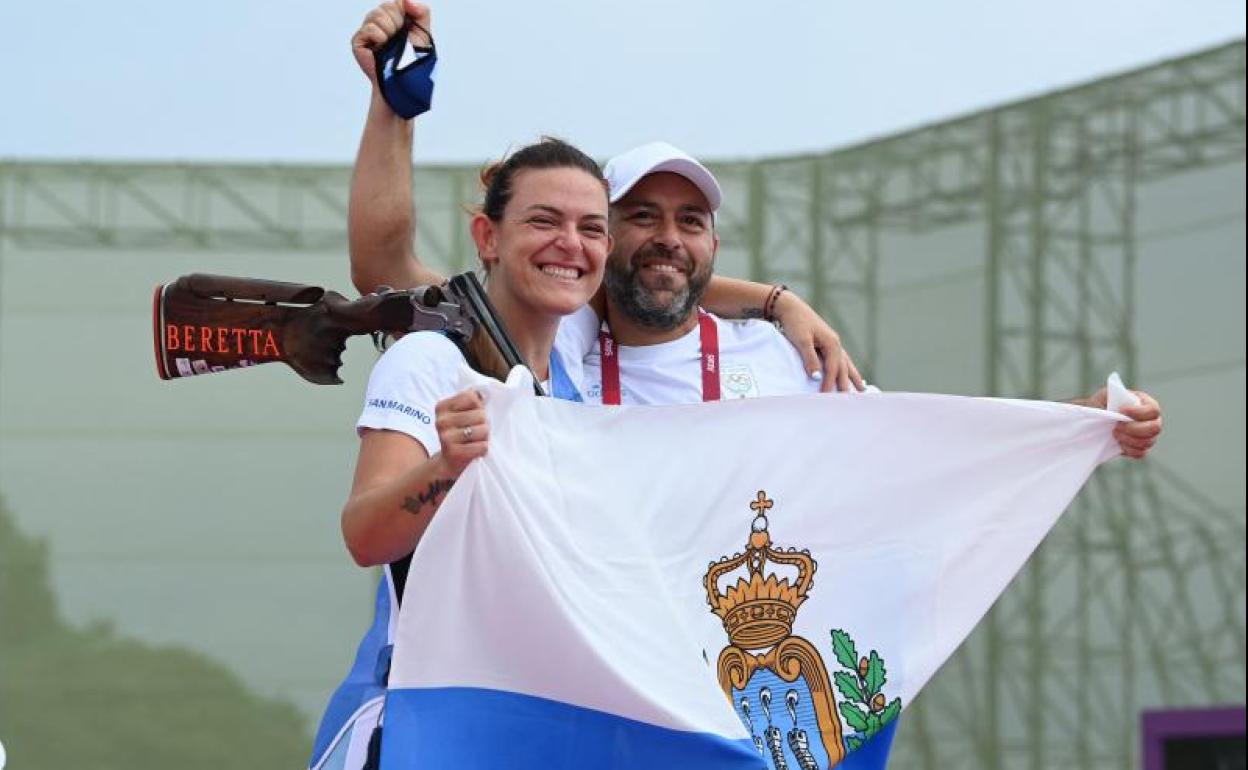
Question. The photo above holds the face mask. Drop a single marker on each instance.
(407, 84)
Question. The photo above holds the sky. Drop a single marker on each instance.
(276, 82)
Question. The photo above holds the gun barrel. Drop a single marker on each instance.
(468, 290)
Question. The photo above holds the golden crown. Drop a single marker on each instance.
(759, 609)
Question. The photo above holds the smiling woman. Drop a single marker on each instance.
(542, 236)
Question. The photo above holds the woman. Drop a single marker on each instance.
(542, 237)
(543, 241)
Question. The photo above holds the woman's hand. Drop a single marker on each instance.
(818, 344)
(381, 24)
(462, 430)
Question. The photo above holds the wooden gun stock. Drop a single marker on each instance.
(206, 323)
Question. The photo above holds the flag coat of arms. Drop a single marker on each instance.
(743, 584)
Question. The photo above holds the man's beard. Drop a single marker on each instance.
(643, 305)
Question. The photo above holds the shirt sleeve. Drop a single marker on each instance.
(407, 383)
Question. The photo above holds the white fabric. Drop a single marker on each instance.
(350, 748)
(1118, 396)
(568, 563)
(755, 360)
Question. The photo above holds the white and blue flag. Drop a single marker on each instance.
(743, 584)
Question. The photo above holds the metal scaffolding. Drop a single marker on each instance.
(1136, 599)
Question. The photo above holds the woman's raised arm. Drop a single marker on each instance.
(381, 220)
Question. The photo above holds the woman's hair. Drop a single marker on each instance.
(498, 178)
(484, 357)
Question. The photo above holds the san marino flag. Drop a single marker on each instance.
(745, 584)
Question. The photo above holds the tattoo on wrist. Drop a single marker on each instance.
(752, 312)
(432, 493)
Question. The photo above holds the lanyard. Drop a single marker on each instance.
(709, 335)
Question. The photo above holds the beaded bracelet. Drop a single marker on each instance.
(769, 307)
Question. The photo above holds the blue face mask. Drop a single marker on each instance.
(407, 87)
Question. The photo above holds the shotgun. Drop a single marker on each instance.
(203, 324)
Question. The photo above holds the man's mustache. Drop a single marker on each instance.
(680, 260)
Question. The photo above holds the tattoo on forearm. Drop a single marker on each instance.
(751, 312)
(431, 495)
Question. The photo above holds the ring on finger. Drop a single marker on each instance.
(468, 433)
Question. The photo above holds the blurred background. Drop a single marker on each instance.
(982, 199)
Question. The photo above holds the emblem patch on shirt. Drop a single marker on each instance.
(737, 381)
(776, 679)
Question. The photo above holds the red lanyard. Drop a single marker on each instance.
(709, 335)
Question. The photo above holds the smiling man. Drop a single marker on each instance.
(657, 346)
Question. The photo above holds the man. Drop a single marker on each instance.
(657, 346)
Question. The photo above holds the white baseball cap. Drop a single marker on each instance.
(628, 168)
